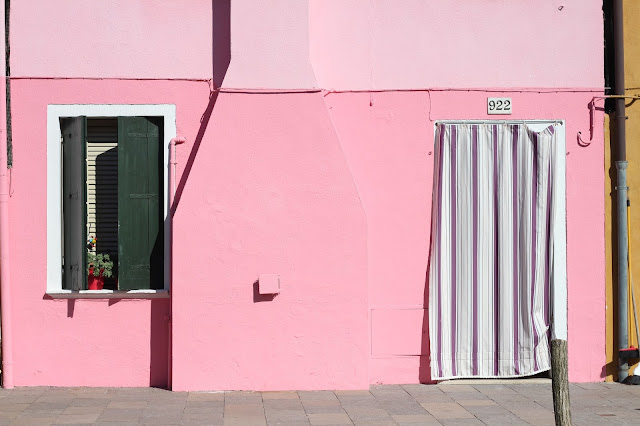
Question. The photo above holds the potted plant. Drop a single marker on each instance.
(99, 267)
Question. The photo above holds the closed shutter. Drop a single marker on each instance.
(74, 176)
(140, 231)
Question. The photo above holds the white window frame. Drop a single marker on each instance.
(54, 192)
(559, 297)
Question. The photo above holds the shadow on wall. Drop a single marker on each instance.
(221, 10)
(221, 50)
(257, 297)
(159, 344)
(204, 122)
(424, 371)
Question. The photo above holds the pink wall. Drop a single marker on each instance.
(272, 195)
(355, 44)
(332, 191)
(86, 342)
(272, 50)
(377, 44)
(270, 192)
(111, 38)
(388, 139)
(242, 214)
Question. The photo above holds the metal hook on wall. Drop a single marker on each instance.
(592, 111)
(582, 142)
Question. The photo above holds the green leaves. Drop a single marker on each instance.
(101, 264)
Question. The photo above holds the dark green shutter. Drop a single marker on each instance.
(74, 203)
(140, 183)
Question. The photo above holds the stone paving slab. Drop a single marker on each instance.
(481, 403)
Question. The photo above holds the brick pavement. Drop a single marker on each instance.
(447, 404)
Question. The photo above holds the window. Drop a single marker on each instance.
(107, 180)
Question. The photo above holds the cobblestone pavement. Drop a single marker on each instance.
(448, 404)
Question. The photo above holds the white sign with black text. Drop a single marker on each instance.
(499, 106)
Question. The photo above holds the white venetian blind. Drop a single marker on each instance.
(102, 183)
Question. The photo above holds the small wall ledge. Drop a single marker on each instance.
(108, 294)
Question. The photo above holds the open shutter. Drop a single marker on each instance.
(74, 132)
(140, 231)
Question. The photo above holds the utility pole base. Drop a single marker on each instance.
(560, 382)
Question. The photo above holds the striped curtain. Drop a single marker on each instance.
(491, 246)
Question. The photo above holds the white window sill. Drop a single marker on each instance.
(108, 294)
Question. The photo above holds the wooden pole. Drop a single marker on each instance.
(560, 382)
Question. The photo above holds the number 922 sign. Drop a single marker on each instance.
(499, 106)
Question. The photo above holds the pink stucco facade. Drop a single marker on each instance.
(311, 159)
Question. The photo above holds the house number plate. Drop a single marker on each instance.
(499, 106)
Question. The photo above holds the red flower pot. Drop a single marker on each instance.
(95, 283)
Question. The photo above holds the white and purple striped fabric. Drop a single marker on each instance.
(491, 246)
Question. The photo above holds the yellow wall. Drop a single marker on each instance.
(632, 82)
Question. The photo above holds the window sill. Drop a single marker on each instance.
(108, 294)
